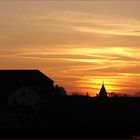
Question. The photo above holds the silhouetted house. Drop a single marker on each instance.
(103, 92)
(24, 87)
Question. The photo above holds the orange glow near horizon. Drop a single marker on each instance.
(77, 44)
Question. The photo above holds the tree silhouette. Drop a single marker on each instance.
(60, 90)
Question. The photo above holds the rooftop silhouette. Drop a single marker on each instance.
(19, 82)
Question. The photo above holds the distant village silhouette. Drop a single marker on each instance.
(29, 99)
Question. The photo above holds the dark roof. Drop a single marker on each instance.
(23, 74)
(103, 91)
(13, 79)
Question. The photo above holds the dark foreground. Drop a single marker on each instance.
(84, 116)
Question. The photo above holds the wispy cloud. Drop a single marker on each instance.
(87, 66)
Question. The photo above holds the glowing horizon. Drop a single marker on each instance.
(76, 43)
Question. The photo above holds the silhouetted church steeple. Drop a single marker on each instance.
(103, 92)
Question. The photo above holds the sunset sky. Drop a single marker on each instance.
(76, 43)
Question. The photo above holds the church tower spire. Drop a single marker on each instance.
(103, 92)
